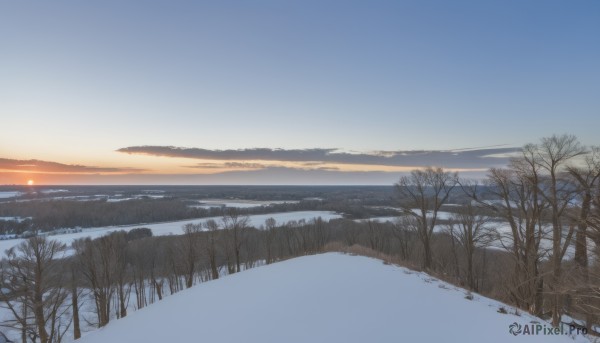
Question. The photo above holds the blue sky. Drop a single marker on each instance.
(81, 80)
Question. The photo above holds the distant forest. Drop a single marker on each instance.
(48, 212)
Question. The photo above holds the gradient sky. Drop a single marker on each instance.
(80, 80)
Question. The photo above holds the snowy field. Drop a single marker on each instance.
(441, 215)
(209, 203)
(14, 219)
(392, 219)
(323, 298)
(94, 197)
(175, 228)
(119, 198)
(49, 191)
(6, 195)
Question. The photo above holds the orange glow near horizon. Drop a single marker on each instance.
(135, 169)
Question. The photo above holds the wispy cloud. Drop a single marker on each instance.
(37, 166)
(463, 158)
(229, 165)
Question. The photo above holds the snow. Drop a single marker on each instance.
(6, 195)
(14, 219)
(118, 199)
(392, 219)
(94, 197)
(441, 215)
(209, 203)
(48, 191)
(175, 227)
(322, 298)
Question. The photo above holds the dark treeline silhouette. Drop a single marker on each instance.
(58, 214)
(370, 195)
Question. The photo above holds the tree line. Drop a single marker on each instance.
(548, 201)
(48, 215)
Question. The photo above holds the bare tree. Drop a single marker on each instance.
(554, 154)
(471, 233)
(422, 194)
(269, 237)
(121, 264)
(172, 268)
(140, 257)
(587, 178)
(404, 230)
(319, 234)
(32, 284)
(75, 295)
(190, 251)
(584, 285)
(97, 259)
(520, 204)
(211, 247)
(236, 226)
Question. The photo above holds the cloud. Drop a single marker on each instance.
(229, 165)
(463, 158)
(264, 154)
(37, 166)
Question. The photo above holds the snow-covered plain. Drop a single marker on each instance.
(209, 203)
(441, 215)
(175, 227)
(14, 219)
(323, 298)
(6, 195)
(392, 219)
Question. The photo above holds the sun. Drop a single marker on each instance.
(30, 182)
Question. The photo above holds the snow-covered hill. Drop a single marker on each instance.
(324, 298)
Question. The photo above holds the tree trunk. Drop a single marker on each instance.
(123, 308)
(427, 252)
(556, 266)
(158, 289)
(581, 255)
(38, 311)
(470, 271)
(213, 268)
(75, 305)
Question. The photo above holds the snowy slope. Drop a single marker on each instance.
(323, 298)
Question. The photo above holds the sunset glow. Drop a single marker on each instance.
(30, 182)
(242, 96)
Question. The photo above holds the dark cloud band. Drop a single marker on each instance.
(228, 165)
(54, 167)
(465, 158)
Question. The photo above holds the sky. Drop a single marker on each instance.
(288, 92)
